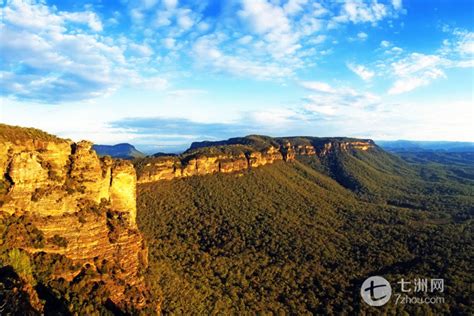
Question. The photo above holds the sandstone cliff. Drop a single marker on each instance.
(240, 154)
(59, 198)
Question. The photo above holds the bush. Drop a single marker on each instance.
(20, 262)
(58, 241)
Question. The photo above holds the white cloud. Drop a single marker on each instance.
(361, 71)
(277, 36)
(264, 17)
(362, 36)
(317, 9)
(207, 53)
(307, 25)
(184, 19)
(415, 71)
(167, 18)
(416, 63)
(137, 15)
(184, 93)
(272, 117)
(464, 63)
(141, 50)
(150, 83)
(321, 109)
(270, 22)
(146, 4)
(203, 26)
(385, 44)
(66, 62)
(463, 42)
(361, 12)
(162, 18)
(170, 4)
(294, 6)
(244, 40)
(169, 42)
(407, 84)
(89, 18)
(318, 86)
(397, 4)
(396, 50)
(326, 101)
(317, 39)
(28, 16)
(458, 50)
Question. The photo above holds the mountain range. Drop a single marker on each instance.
(420, 146)
(255, 224)
(123, 151)
(128, 151)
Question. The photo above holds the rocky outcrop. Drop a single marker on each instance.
(234, 163)
(331, 147)
(203, 163)
(51, 178)
(79, 206)
(240, 154)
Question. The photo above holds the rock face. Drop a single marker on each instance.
(81, 207)
(240, 154)
(50, 178)
(202, 163)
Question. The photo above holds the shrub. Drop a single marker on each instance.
(58, 241)
(20, 262)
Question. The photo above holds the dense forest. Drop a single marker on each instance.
(300, 237)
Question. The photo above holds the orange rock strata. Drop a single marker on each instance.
(83, 207)
(172, 167)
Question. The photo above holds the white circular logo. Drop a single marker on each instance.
(376, 291)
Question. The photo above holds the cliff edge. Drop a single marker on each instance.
(240, 154)
(61, 203)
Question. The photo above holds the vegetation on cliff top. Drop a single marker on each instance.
(261, 142)
(21, 134)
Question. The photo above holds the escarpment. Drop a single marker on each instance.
(240, 154)
(59, 201)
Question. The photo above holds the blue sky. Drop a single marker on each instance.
(163, 73)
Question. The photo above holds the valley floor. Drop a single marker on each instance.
(301, 237)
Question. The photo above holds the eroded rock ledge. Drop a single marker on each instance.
(239, 154)
(58, 198)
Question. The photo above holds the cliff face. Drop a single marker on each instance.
(52, 178)
(80, 207)
(240, 154)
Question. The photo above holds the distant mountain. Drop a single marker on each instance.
(420, 146)
(124, 151)
(261, 141)
(161, 154)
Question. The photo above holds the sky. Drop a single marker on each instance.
(161, 74)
